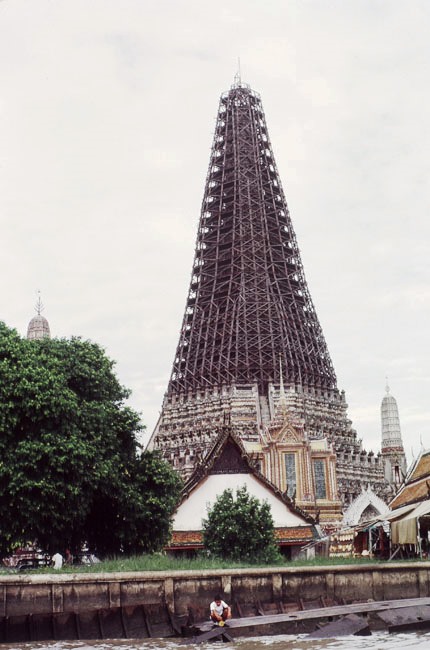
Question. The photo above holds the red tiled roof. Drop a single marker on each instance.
(186, 538)
(194, 538)
(416, 492)
(297, 534)
(418, 484)
(422, 469)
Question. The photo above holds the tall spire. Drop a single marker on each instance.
(250, 337)
(392, 445)
(248, 300)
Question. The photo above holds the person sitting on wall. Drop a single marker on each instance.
(220, 611)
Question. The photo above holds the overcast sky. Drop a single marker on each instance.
(107, 112)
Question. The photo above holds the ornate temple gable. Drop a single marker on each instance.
(302, 468)
(284, 427)
(230, 461)
(289, 434)
(367, 502)
(282, 430)
(228, 456)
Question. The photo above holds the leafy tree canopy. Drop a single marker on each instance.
(70, 464)
(240, 528)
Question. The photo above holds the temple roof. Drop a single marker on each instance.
(228, 465)
(38, 327)
(417, 484)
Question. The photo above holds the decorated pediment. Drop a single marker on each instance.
(290, 434)
(366, 505)
(230, 461)
(282, 430)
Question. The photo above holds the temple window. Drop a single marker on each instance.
(319, 474)
(290, 473)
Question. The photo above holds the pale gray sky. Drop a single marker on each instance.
(107, 111)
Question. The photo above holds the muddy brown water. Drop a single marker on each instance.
(378, 641)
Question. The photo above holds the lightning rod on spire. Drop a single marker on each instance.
(238, 76)
(39, 307)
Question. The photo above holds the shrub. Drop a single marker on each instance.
(240, 528)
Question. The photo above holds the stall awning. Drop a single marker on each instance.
(400, 512)
(404, 529)
(420, 510)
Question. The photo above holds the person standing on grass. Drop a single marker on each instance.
(57, 561)
(220, 611)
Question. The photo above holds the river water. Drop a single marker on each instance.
(378, 641)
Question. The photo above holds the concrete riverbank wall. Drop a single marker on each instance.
(58, 593)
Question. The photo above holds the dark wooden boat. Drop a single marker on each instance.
(324, 621)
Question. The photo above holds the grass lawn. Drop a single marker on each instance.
(160, 562)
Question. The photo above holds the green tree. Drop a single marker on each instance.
(240, 528)
(67, 443)
(137, 517)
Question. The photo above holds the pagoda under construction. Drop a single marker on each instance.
(251, 348)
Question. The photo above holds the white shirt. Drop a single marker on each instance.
(218, 608)
(57, 560)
